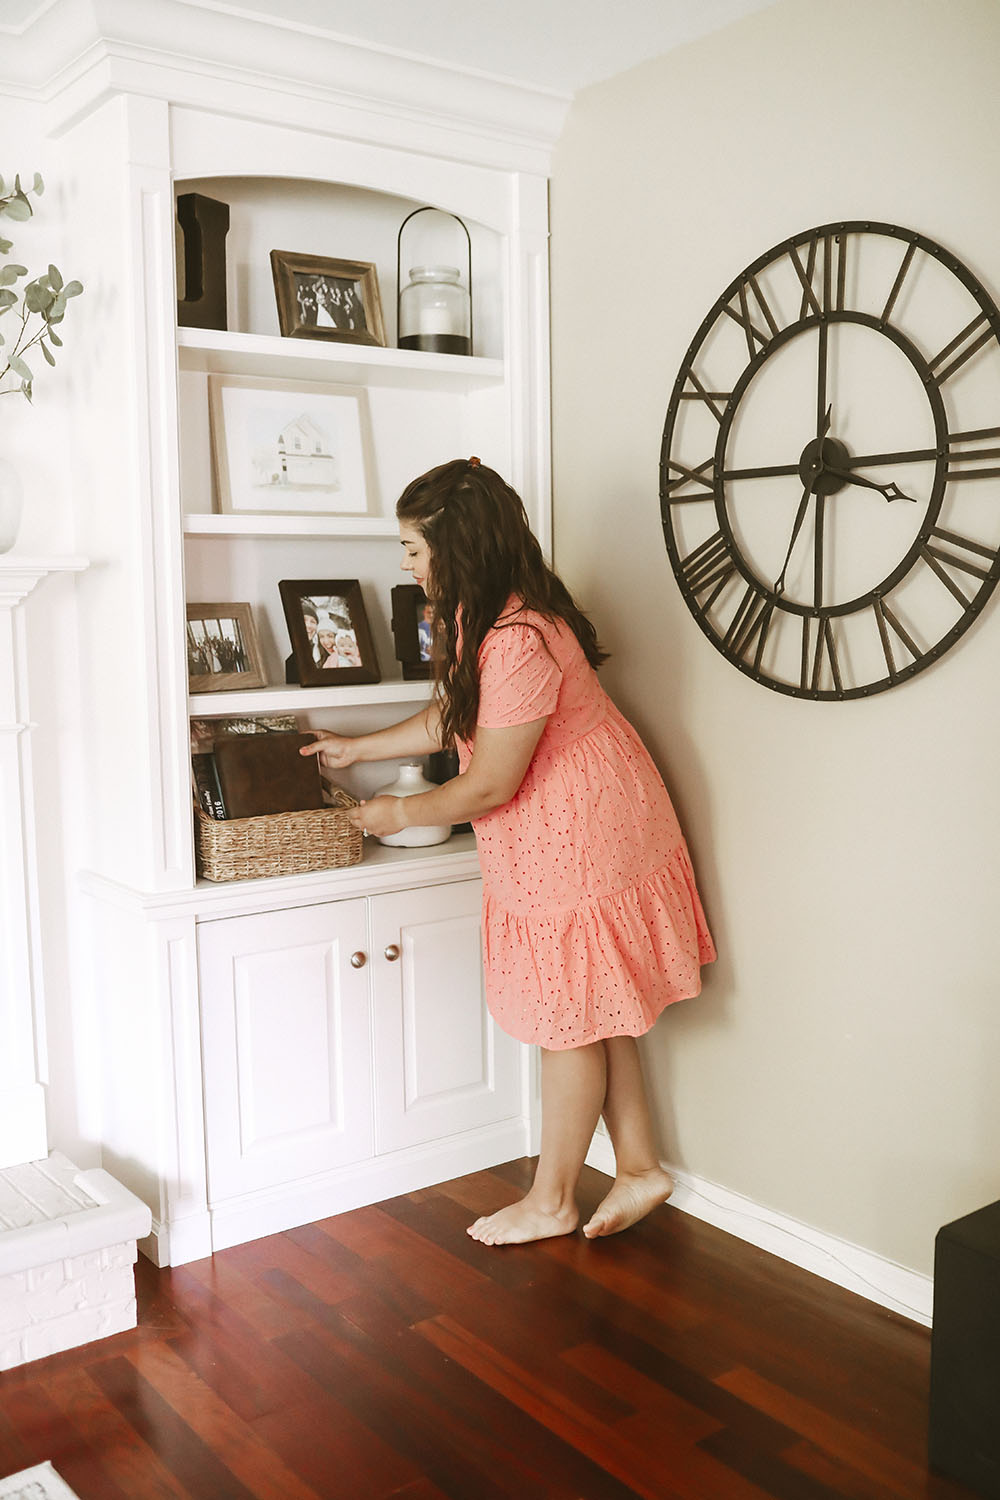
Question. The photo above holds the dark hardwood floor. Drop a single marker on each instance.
(384, 1353)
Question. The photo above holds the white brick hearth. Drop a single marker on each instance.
(67, 1252)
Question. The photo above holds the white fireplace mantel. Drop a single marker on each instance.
(23, 1135)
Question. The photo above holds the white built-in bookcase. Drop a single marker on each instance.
(316, 177)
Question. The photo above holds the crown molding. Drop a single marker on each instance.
(69, 55)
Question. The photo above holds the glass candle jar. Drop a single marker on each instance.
(411, 780)
(434, 311)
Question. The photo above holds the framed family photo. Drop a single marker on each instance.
(222, 648)
(288, 447)
(320, 298)
(328, 629)
(412, 630)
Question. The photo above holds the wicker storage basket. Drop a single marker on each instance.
(278, 843)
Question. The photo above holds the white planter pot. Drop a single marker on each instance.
(411, 780)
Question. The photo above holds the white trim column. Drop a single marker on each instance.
(23, 1067)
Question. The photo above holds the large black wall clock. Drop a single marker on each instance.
(830, 469)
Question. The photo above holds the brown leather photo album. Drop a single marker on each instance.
(264, 773)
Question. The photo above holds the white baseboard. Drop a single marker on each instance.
(883, 1281)
(269, 1211)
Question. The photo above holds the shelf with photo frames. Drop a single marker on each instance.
(293, 699)
(225, 353)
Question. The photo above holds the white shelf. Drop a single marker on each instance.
(292, 699)
(229, 526)
(224, 353)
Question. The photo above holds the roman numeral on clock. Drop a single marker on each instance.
(709, 565)
(818, 652)
(962, 347)
(885, 619)
(745, 318)
(980, 450)
(701, 476)
(710, 398)
(751, 622)
(897, 284)
(959, 553)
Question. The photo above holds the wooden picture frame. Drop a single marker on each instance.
(336, 650)
(412, 640)
(223, 650)
(320, 298)
(289, 447)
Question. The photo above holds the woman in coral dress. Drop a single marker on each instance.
(591, 919)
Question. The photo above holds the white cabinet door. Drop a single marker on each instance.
(441, 1066)
(287, 1045)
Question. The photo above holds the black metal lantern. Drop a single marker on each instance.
(434, 308)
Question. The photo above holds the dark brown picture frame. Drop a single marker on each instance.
(408, 603)
(300, 598)
(320, 298)
(230, 651)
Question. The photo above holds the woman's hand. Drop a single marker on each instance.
(336, 751)
(380, 816)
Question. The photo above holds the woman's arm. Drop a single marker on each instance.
(500, 759)
(419, 735)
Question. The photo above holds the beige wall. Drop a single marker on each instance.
(841, 1065)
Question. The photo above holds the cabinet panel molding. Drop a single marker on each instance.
(442, 1065)
(285, 1021)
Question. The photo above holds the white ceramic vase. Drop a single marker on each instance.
(412, 780)
(11, 502)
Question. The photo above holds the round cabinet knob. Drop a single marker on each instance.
(392, 953)
(358, 960)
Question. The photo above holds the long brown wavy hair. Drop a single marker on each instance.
(482, 553)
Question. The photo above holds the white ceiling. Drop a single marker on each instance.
(562, 45)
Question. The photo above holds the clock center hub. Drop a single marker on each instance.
(816, 455)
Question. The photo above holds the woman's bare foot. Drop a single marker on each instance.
(522, 1222)
(632, 1197)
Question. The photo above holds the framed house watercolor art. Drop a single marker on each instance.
(289, 447)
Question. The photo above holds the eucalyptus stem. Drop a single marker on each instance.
(45, 297)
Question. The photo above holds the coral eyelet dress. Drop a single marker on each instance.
(592, 923)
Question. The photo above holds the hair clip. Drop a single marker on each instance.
(473, 463)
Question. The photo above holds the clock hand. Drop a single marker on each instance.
(800, 514)
(890, 491)
(821, 425)
(779, 587)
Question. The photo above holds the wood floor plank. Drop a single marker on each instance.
(329, 1281)
(445, 1449)
(214, 1421)
(251, 1375)
(96, 1451)
(844, 1480)
(181, 1451)
(644, 1470)
(897, 1475)
(765, 1468)
(338, 1455)
(655, 1408)
(466, 1414)
(241, 1293)
(512, 1429)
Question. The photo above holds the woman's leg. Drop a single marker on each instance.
(573, 1089)
(640, 1181)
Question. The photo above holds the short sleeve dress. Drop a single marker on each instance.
(592, 923)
